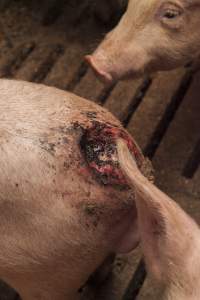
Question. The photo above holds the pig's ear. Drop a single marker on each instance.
(155, 214)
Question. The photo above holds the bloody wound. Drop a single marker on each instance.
(98, 144)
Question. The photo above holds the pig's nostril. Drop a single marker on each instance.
(102, 75)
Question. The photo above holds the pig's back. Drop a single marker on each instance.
(34, 108)
(45, 172)
(40, 154)
(40, 131)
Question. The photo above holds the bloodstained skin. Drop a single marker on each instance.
(98, 144)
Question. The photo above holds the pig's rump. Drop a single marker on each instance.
(63, 197)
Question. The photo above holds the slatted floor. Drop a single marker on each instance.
(45, 41)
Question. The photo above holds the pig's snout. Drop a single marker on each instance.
(113, 65)
(103, 76)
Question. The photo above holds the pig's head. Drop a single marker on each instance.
(170, 239)
(152, 35)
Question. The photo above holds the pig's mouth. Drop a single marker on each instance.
(98, 144)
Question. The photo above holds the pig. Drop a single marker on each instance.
(152, 35)
(170, 239)
(65, 205)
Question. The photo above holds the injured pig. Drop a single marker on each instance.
(65, 205)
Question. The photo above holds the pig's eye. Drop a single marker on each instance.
(171, 14)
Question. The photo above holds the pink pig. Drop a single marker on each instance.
(152, 35)
(64, 203)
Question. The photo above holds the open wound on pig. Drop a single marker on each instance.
(98, 145)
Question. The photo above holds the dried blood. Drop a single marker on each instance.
(98, 144)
